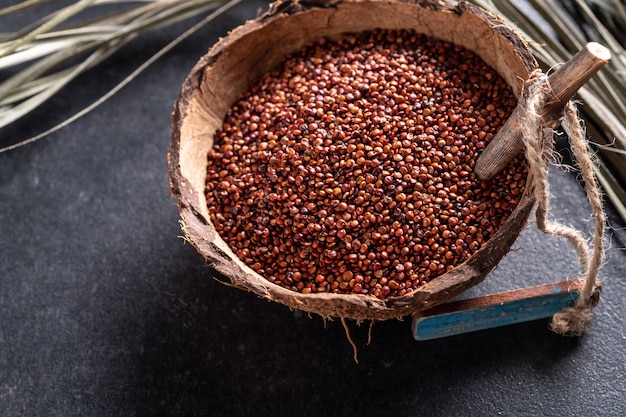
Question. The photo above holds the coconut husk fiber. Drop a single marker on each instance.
(222, 75)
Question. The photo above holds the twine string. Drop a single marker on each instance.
(538, 146)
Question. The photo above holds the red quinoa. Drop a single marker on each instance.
(349, 168)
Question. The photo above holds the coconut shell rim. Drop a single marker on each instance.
(354, 306)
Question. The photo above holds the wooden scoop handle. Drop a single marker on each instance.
(563, 83)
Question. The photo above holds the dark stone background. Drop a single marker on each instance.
(105, 311)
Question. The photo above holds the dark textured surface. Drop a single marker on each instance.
(106, 312)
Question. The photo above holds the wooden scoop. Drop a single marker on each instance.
(495, 310)
(563, 83)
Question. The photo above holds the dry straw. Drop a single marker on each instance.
(51, 52)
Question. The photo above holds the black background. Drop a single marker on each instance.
(105, 311)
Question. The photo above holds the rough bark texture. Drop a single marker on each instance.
(236, 61)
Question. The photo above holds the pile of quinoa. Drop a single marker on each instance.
(349, 169)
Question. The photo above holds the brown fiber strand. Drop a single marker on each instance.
(577, 319)
(354, 348)
(537, 138)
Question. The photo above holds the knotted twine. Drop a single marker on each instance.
(538, 146)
